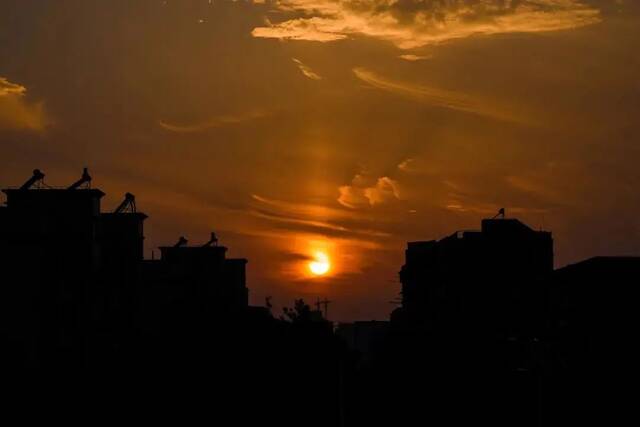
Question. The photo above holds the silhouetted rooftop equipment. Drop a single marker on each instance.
(85, 179)
(128, 205)
(37, 177)
(181, 242)
(213, 241)
(501, 214)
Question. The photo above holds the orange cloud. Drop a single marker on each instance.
(415, 23)
(16, 113)
(363, 192)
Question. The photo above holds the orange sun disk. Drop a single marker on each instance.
(320, 265)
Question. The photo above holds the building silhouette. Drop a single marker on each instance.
(489, 332)
(477, 282)
(467, 332)
(79, 283)
(51, 253)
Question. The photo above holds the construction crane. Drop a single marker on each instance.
(84, 179)
(181, 242)
(37, 177)
(128, 205)
(213, 241)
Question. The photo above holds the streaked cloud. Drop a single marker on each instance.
(413, 58)
(311, 218)
(414, 23)
(16, 112)
(215, 122)
(438, 97)
(303, 209)
(306, 70)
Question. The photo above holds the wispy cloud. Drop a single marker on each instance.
(306, 70)
(215, 122)
(16, 112)
(414, 23)
(303, 209)
(438, 97)
(311, 218)
(413, 58)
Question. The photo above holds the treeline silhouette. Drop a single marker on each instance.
(486, 330)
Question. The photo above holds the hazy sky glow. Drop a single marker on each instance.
(299, 127)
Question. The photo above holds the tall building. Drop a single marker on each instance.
(476, 282)
(75, 284)
(51, 256)
(467, 331)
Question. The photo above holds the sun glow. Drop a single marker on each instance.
(320, 264)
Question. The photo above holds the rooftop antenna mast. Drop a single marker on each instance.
(85, 180)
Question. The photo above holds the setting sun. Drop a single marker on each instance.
(320, 265)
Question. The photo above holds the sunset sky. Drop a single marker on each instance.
(333, 129)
